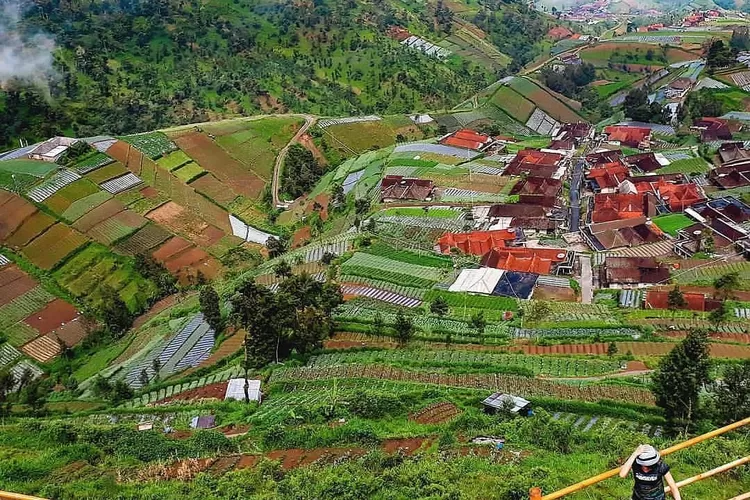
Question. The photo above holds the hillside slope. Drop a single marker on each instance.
(140, 65)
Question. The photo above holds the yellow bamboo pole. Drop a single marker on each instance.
(744, 496)
(712, 472)
(6, 495)
(611, 473)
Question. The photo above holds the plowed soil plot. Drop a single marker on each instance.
(52, 246)
(217, 161)
(99, 214)
(179, 220)
(127, 155)
(30, 229)
(435, 413)
(408, 446)
(72, 333)
(53, 316)
(13, 283)
(171, 247)
(211, 391)
(13, 214)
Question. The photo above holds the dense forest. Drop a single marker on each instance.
(128, 66)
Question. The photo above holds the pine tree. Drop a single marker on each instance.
(404, 328)
(114, 312)
(679, 378)
(732, 394)
(611, 349)
(439, 306)
(675, 300)
(209, 303)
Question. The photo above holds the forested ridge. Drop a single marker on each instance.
(129, 66)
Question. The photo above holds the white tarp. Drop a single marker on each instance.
(661, 159)
(236, 389)
(247, 233)
(481, 280)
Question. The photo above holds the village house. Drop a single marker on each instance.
(536, 163)
(467, 139)
(679, 88)
(624, 135)
(618, 272)
(398, 188)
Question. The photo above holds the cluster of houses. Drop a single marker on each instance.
(699, 17)
(406, 39)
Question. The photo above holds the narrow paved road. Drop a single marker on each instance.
(575, 197)
(309, 120)
(587, 280)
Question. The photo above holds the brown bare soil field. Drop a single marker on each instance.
(211, 391)
(72, 333)
(555, 293)
(212, 187)
(127, 155)
(53, 245)
(14, 212)
(435, 413)
(54, 315)
(173, 246)
(30, 229)
(189, 258)
(180, 220)
(16, 287)
(301, 236)
(108, 209)
(213, 158)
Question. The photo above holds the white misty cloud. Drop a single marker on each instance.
(23, 56)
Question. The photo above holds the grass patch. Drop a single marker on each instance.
(672, 223)
(33, 168)
(173, 161)
(189, 172)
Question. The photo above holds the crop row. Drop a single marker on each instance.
(420, 258)
(429, 324)
(543, 365)
(521, 386)
(712, 272)
(377, 262)
(153, 144)
(457, 300)
(415, 293)
(574, 332)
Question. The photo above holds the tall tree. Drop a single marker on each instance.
(720, 315)
(404, 327)
(678, 380)
(439, 306)
(726, 285)
(675, 300)
(114, 312)
(732, 393)
(254, 308)
(209, 303)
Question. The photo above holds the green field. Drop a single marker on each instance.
(672, 223)
(255, 143)
(85, 274)
(173, 160)
(513, 103)
(34, 168)
(691, 166)
(189, 172)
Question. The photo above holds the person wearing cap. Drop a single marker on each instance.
(649, 473)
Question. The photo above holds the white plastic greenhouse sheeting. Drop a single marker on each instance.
(247, 233)
(236, 389)
(477, 280)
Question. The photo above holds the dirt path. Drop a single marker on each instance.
(587, 280)
(309, 120)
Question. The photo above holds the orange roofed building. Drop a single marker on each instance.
(467, 139)
(633, 137)
(680, 196)
(559, 32)
(476, 242)
(608, 176)
(525, 260)
(615, 206)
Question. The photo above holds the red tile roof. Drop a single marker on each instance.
(559, 32)
(629, 136)
(403, 188)
(533, 162)
(615, 206)
(680, 196)
(537, 186)
(476, 242)
(466, 138)
(525, 260)
(608, 175)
